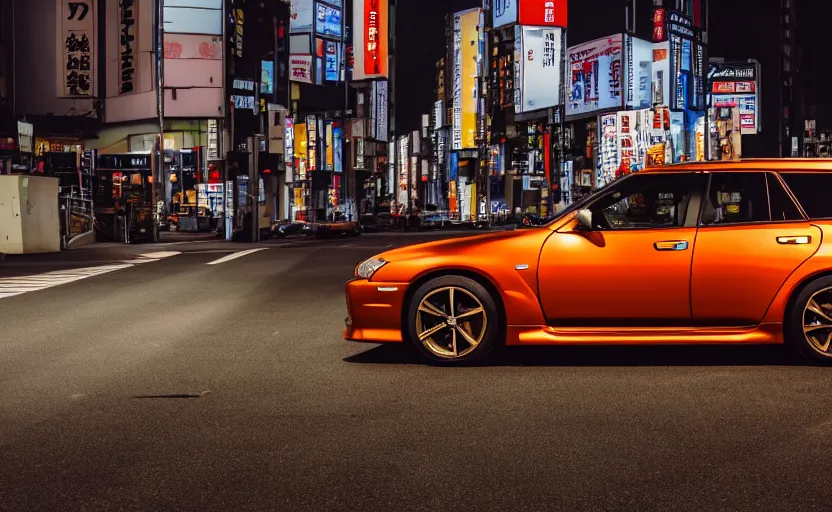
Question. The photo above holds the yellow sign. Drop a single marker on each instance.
(329, 146)
(469, 55)
(300, 141)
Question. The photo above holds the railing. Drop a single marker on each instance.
(77, 216)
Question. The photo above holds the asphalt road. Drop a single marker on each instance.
(171, 384)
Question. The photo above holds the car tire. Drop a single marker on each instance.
(469, 296)
(806, 330)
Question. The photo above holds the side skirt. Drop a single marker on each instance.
(764, 334)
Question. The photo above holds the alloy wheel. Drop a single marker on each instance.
(451, 322)
(817, 322)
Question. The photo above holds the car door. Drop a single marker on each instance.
(751, 238)
(633, 268)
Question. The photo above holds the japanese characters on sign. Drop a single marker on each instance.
(300, 68)
(370, 39)
(372, 66)
(76, 59)
(549, 56)
(736, 86)
(546, 13)
(127, 42)
(380, 91)
(456, 139)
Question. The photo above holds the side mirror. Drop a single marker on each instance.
(585, 220)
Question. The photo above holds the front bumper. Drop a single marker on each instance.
(374, 311)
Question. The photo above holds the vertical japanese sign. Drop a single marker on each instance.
(456, 138)
(370, 39)
(77, 55)
(470, 57)
(127, 45)
(381, 105)
(312, 143)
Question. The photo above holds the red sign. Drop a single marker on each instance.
(659, 26)
(543, 13)
(723, 87)
(734, 87)
(372, 64)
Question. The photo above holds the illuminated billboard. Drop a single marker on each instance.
(465, 73)
(370, 39)
(504, 12)
(537, 67)
(302, 16)
(737, 86)
(327, 20)
(639, 73)
(543, 13)
(595, 76)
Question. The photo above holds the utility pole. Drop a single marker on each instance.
(392, 140)
(254, 185)
(159, 176)
(706, 85)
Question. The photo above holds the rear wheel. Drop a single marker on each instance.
(453, 319)
(809, 326)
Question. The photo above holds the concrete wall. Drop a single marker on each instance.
(29, 221)
(193, 68)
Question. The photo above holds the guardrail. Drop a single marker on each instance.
(77, 218)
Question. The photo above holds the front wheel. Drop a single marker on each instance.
(452, 320)
(809, 325)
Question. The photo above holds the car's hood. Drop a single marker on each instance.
(457, 246)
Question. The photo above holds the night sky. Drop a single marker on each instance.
(740, 29)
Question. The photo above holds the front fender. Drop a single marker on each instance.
(510, 265)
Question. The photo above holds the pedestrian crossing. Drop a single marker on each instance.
(13, 286)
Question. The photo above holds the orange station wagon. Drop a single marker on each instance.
(710, 253)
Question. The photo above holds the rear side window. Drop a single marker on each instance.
(812, 191)
(782, 206)
(736, 198)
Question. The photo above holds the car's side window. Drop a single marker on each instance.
(812, 192)
(736, 198)
(782, 206)
(646, 201)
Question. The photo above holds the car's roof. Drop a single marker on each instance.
(751, 164)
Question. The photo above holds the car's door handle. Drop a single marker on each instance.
(671, 245)
(794, 240)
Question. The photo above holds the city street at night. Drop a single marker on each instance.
(195, 376)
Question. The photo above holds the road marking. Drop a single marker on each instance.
(160, 255)
(234, 256)
(12, 286)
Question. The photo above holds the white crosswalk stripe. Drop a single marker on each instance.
(13, 286)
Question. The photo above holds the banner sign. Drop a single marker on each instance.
(370, 39)
(538, 80)
(595, 75)
(300, 68)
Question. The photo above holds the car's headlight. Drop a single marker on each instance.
(370, 267)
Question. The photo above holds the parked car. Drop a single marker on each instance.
(296, 228)
(339, 227)
(718, 253)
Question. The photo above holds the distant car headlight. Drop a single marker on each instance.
(368, 268)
